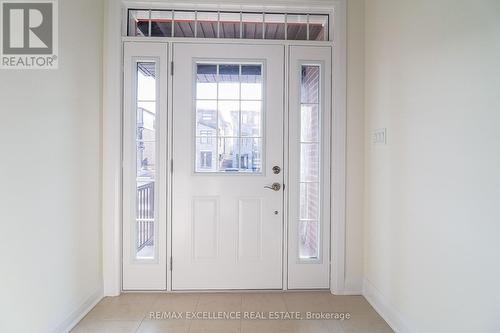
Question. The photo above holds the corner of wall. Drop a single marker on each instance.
(355, 181)
(72, 318)
(396, 320)
(110, 146)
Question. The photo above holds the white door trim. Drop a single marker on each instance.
(111, 149)
(112, 145)
(339, 142)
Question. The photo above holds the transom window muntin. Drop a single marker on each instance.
(227, 24)
(229, 117)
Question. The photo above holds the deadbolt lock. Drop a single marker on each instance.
(276, 169)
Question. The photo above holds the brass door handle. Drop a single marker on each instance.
(275, 187)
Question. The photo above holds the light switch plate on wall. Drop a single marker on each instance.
(379, 136)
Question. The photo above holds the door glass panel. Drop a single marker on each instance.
(206, 82)
(229, 25)
(161, 23)
(309, 123)
(145, 160)
(206, 26)
(309, 201)
(228, 154)
(252, 25)
(296, 27)
(250, 158)
(275, 26)
(229, 118)
(251, 82)
(310, 163)
(206, 118)
(310, 85)
(318, 27)
(308, 240)
(184, 24)
(206, 152)
(251, 118)
(138, 23)
(229, 82)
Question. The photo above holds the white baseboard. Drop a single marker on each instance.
(393, 317)
(347, 293)
(70, 322)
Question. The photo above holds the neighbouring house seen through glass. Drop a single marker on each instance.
(229, 118)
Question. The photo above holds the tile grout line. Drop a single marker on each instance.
(241, 310)
(149, 307)
(195, 309)
(140, 324)
(142, 320)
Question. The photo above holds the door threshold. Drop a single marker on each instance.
(224, 291)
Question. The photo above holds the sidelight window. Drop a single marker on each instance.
(310, 164)
(145, 159)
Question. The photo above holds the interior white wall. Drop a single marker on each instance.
(355, 147)
(432, 199)
(50, 230)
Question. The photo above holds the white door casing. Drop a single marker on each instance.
(227, 227)
(113, 176)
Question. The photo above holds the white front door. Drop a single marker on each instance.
(227, 200)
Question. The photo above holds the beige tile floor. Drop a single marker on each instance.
(131, 313)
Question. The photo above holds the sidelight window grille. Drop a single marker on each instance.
(227, 24)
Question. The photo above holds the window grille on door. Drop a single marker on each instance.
(227, 24)
(229, 131)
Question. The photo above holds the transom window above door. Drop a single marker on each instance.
(227, 24)
(229, 134)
